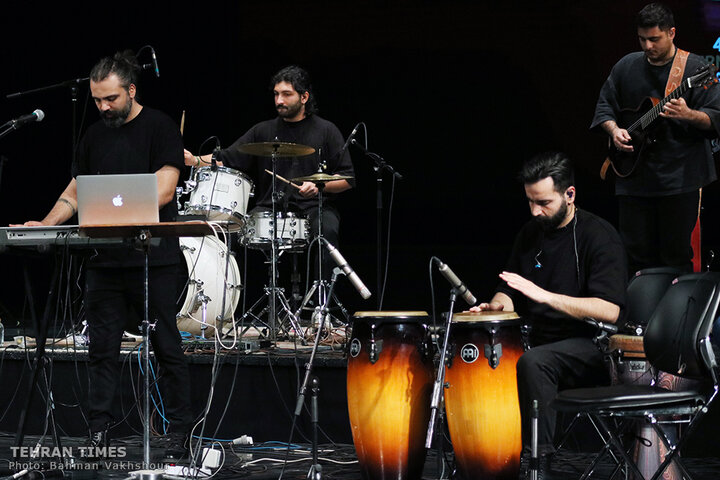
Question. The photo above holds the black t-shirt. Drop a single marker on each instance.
(680, 160)
(583, 259)
(144, 145)
(312, 131)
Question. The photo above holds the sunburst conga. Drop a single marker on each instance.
(389, 382)
(483, 412)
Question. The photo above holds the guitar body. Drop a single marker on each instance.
(625, 162)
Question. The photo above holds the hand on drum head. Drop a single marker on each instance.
(308, 189)
(492, 306)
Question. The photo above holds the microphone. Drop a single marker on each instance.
(36, 116)
(155, 64)
(455, 282)
(349, 272)
(349, 139)
(213, 159)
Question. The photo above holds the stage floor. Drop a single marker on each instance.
(268, 460)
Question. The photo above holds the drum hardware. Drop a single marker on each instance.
(319, 285)
(493, 354)
(374, 347)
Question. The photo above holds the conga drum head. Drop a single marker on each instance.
(389, 383)
(487, 316)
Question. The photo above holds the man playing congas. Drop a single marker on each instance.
(566, 264)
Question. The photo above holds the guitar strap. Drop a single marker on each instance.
(674, 80)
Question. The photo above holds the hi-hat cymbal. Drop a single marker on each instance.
(279, 149)
(321, 178)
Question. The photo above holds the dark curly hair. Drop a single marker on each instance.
(300, 80)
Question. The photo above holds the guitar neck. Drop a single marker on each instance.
(651, 115)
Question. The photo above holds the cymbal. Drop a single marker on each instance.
(279, 149)
(321, 178)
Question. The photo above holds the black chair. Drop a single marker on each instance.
(677, 341)
(644, 292)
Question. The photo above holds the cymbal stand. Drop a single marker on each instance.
(315, 470)
(320, 286)
(271, 293)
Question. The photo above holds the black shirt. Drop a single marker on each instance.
(583, 259)
(680, 160)
(145, 144)
(312, 131)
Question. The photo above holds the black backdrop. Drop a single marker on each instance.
(456, 94)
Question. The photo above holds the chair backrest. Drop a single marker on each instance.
(645, 291)
(677, 338)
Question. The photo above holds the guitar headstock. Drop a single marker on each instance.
(704, 76)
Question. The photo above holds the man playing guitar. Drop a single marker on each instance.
(664, 158)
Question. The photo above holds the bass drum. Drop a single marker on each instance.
(483, 412)
(389, 383)
(206, 259)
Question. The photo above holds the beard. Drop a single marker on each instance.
(289, 111)
(553, 222)
(115, 118)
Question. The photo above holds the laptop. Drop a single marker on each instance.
(117, 199)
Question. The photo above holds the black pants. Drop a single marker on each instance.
(544, 370)
(114, 295)
(656, 231)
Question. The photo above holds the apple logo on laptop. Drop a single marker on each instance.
(117, 200)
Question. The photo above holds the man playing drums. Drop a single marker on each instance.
(297, 122)
(566, 264)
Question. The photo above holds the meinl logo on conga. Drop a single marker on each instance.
(355, 347)
(469, 353)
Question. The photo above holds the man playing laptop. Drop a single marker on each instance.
(130, 138)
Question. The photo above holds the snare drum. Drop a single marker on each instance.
(483, 412)
(389, 382)
(292, 230)
(206, 259)
(221, 195)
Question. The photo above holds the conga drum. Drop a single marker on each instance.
(629, 366)
(389, 383)
(481, 400)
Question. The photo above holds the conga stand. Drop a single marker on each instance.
(438, 397)
(316, 469)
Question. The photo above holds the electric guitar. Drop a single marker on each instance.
(640, 125)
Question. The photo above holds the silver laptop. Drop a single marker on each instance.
(117, 199)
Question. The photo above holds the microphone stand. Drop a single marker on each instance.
(380, 166)
(439, 385)
(73, 85)
(315, 470)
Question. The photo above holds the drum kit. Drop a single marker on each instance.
(221, 195)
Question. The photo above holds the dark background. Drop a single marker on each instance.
(455, 94)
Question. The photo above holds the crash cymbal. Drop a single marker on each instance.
(321, 178)
(279, 149)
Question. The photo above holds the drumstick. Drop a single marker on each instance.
(284, 179)
(182, 123)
